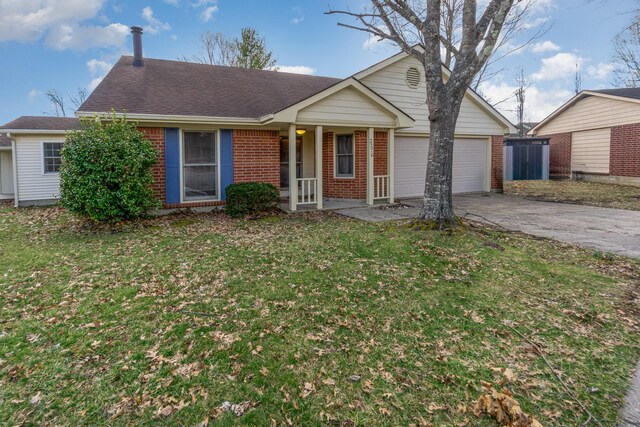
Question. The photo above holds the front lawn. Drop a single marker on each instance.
(303, 320)
(579, 192)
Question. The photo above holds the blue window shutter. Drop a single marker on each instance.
(172, 165)
(226, 160)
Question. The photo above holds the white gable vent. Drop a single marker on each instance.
(413, 77)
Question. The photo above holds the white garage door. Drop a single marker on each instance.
(590, 151)
(469, 165)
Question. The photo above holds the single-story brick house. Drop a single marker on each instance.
(364, 137)
(595, 136)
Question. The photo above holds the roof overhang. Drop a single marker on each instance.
(178, 119)
(290, 114)
(582, 95)
(470, 93)
(10, 132)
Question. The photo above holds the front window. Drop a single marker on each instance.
(200, 166)
(344, 156)
(52, 157)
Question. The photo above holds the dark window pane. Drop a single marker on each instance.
(345, 165)
(199, 147)
(52, 159)
(345, 144)
(200, 182)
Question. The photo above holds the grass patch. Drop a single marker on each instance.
(302, 319)
(578, 192)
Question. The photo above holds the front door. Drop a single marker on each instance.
(284, 161)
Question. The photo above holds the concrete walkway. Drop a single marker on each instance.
(630, 416)
(607, 230)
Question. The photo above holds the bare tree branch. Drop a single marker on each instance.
(57, 102)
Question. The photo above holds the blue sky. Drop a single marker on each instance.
(67, 44)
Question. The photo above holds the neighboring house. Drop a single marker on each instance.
(364, 137)
(6, 168)
(596, 136)
(36, 150)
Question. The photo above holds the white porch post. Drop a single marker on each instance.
(318, 145)
(370, 195)
(293, 179)
(391, 160)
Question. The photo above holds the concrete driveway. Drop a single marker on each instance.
(607, 230)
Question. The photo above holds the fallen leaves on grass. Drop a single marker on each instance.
(503, 407)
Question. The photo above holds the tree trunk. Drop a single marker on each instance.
(437, 210)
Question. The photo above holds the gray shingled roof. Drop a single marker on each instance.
(4, 141)
(183, 88)
(633, 93)
(43, 123)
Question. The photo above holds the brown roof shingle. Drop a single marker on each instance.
(4, 141)
(43, 123)
(181, 88)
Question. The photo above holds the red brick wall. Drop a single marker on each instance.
(560, 155)
(496, 162)
(380, 153)
(624, 159)
(345, 188)
(256, 156)
(156, 136)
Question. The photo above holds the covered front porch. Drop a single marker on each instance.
(335, 166)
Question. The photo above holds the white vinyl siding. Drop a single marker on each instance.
(33, 183)
(594, 112)
(343, 108)
(470, 171)
(390, 83)
(590, 151)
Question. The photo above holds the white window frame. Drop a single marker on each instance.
(44, 163)
(335, 155)
(218, 166)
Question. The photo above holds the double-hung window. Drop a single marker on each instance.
(344, 156)
(51, 156)
(200, 166)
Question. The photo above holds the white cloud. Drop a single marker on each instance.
(154, 24)
(85, 37)
(98, 69)
(60, 22)
(33, 94)
(601, 71)
(545, 46)
(539, 103)
(296, 69)
(207, 13)
(97, 66)
(172, 2)
(559, 66)
(298, 17)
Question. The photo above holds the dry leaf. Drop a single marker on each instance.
(504, 408)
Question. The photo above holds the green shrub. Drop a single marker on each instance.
(250, 198)
(105, 173)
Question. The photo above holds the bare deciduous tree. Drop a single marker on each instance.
(215, 48)
(627, 56)
(248, 51)
(517, 33)
(79, 97)
(57, 102)
(415, 26)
